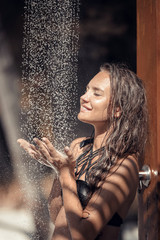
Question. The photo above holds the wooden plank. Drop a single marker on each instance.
(148, 68)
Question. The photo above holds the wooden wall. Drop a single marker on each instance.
(148, 68)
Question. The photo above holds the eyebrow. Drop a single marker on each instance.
(95, 88)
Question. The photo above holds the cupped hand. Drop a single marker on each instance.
(33, 152)
(45, 153)
(57, 159)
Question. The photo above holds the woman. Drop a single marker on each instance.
(98, 177)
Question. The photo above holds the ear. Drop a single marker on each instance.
(118, 112)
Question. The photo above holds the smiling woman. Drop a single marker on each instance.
(95, 101)
(98, 176)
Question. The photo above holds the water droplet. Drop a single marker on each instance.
(49, 70)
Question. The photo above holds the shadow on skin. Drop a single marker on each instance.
(62, 231)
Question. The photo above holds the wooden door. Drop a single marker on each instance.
(148, 68)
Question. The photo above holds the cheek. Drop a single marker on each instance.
(104, 114)
(101, 109)
(101, 104)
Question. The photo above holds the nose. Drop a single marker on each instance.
(85, 97)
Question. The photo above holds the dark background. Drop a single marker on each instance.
(107, 34)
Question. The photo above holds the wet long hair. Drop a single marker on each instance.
(128, 132)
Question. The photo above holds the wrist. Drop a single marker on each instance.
(66, 175)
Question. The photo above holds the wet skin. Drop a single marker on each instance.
(117, 191)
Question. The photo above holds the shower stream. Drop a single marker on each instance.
(48, 93)
(49, 70)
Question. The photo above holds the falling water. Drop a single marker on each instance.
(49, 70)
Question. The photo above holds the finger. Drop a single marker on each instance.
(37, 149)
(34, 148)
(68, 152)
(34, 152)
(41, 148)
(50, 146)
(40, 157)
(44, 150)
(85, 215)
(23, 143)
(44, 144)
(26, 146)
(37, 154)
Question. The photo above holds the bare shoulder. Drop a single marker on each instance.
(115, 194)
(125, 175)
(120, 185)
(127, 167)
(123, 179)
(75, 146)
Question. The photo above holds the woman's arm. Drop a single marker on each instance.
(118, 190)
(55, 200)
(55, 197)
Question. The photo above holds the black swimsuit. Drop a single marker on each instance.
(84, 190)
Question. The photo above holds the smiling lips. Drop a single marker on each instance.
(85, 108)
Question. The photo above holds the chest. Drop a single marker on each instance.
(86, 161)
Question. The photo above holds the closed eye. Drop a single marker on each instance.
(97, 94)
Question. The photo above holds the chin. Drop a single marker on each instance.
(83, 119)
(80, 117)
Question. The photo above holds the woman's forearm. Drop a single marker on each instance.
(55, 200)
(72, 205)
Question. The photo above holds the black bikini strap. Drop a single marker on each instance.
(87, 163)
(85, 159)
(86, 142)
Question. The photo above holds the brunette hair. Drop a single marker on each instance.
(128, 131)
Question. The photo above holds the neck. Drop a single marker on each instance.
(99, 137)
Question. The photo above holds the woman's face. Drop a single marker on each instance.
(94, 103)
